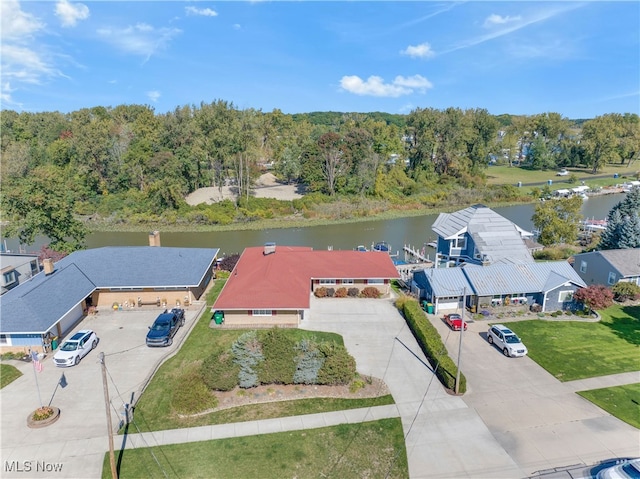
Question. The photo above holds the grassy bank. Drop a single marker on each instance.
(371, 449)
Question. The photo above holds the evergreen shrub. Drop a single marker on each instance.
(279, 364)
(309, 362)
(220, 372)
(191, 394)
(247, 353)
(353, 292)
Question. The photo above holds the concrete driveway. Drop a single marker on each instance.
(76, 443)
(539, 421)
(443, 435)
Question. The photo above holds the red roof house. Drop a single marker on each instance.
(273, 285)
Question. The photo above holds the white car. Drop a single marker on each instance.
(506, 340)
(74, 349)
(562, 173)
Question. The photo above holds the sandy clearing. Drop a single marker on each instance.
(267, 186)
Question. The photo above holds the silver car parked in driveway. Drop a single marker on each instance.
(506, 340)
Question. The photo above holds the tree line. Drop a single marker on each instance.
(132, 165)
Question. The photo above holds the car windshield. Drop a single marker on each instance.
(512, 339)
(160, 326)
(69, 346)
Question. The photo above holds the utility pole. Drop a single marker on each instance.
(464, 301)
(112, 457)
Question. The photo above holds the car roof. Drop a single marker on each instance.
(80, 334)
(503, 328)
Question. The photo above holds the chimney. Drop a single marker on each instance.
(269, 248)
(48, 266)
(154, 238)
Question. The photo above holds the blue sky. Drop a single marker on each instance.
(580, 59)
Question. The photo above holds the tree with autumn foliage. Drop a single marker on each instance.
(595, 296)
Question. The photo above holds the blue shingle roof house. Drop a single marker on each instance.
(479, 235)
(52, 302)
(550, 284)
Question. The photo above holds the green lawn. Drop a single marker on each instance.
(622, 402)
(373, 449)
(497, 175)
(575, 350)
(8, 374)
(154, 410)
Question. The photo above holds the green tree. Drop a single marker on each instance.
(43, 204)
(599, 140)
(623, 224)
(558, 220)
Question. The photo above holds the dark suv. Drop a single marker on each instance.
(164, 328)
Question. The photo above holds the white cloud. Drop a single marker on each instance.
(494, 19)
(154, 95)
(140, 39)
(69, 14)
(375, 85)
(22, 64)
(418, 51)
(204, 12)
(236, 26)
(16, 24)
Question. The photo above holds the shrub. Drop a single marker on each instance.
(595, 296)
(309, 362)
(624, 290)
(247, 353)
(330, 292)
(321, 292)
(353, 292)
(191, 394)
(431, 344)
(341, 292)
(279, 364)
(339, 367)
(370, 292)
(219, 372)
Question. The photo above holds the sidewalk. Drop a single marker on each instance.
(603, 381)
(253, 428)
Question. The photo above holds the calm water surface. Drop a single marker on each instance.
(414, 231)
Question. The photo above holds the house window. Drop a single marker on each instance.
(262, 312)
(565, 296)
(459, 242)
(375, 281)
(3, 339)
(327, 281)
(34, 268)
(9, 277)
(612, 278)
(347, 281)
(583, 266)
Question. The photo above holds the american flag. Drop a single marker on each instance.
(36, 361)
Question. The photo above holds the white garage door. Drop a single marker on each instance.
(447, 303)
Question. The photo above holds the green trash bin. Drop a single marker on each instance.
(424, 305)
(218, 317)
(54, 343)
(430, 308)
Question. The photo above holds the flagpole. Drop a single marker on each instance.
(34, 358)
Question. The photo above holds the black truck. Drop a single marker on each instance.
(164, 328)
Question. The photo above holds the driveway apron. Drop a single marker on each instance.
(443, 436)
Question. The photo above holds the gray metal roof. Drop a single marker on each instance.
(626, 261)
(509, 278)
(495, 236)
(37, 304)
(448, 281)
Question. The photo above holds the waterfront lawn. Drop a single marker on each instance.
(511, 175)
(8, 374)
(576, 350)
(153, 411)
(619, 401)
(370, 449)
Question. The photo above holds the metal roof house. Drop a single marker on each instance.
(273, 285)
(609, 266)
(479, 235)
(550, 284)
(52, 302)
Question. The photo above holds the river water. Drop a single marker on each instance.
(414, 231)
